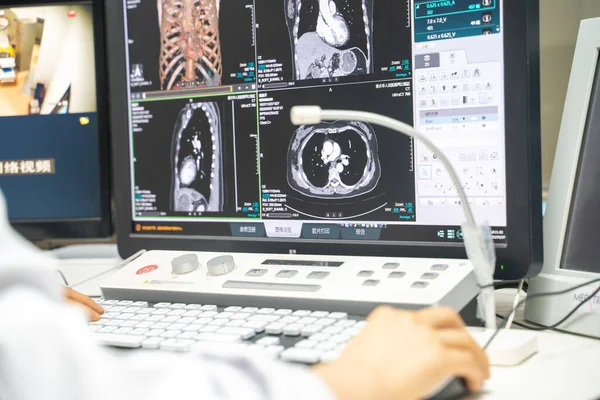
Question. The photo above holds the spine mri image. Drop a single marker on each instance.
(333, 160)
(190, 49)
(330, 38)
(197, 168)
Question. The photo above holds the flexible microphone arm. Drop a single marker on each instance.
(477, 239)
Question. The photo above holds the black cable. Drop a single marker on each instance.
(548, 294)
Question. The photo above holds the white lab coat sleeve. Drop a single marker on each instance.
(47, 352)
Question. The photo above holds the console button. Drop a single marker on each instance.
(429, 275)
(439, 267)
(256, 272)
(420, 285)
(371, 282)
(318, 275)
(397, 274)
(365, 274)
(391, 265)
(287, 273)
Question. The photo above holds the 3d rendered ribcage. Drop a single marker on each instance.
(190, 51)
(196, 156)
(330, 38)
(333, 160)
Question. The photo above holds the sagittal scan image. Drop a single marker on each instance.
(197, 160)
(190, 51)
(330, 38)
(334, 160)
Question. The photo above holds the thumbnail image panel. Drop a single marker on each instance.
(332, 40)
(47, 62)
(192, 156)
(345, 168)
(178, 44)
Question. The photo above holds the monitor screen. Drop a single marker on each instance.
(51, 152)
(215, 155)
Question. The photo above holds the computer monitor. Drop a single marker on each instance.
(209, 159)
(54, 162)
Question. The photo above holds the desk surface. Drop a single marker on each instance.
(566, 366)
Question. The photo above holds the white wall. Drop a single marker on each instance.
(559, 24)
(66, 56)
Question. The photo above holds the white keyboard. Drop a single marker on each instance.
(302, 336)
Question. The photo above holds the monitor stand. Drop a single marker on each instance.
(354, 285)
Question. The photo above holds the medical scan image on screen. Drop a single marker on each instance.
(180, 44)
(226, 160)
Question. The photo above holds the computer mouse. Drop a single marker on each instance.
(455, 388)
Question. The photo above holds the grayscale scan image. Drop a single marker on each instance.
(330, 38)
(197, 168)
(333, 160)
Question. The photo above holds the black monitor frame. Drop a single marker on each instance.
(521, 258)
(81, 228)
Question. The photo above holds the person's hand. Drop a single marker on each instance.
(405, 355)
(94, 310)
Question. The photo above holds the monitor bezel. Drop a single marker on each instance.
(521, 258)
(99, 227)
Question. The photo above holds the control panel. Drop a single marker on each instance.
(350, 284)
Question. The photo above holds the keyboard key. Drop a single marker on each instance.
(208, 329)
(161, 325)
(125, 303)
(325, 321)
(128, 324)
(218, 322)
(209, 314)
(124, 316)
(107, 329)
(146, 310)
(264, 318)
(243, 333)
(208, 307)
(176, 327)
(266, 311)
(275, 328)
(110, 315)
(360, 324)
(353, 331)
(249, 310)
(139, 331)
(340, 338)
(236, 323)
(307, 356)
(177, 344)
(301, 313)
(319, 314)
(319, 337)
(268, 341)
(310, 330)
(224, 315)
(114, 322)
(170, 334)
(176, 312)
(306, 344)
(177, 306)
(101, 322)
(258, 326)
(110, 302)
(333, 330)
(155, 318)
(111, 339)
(216, 337)
(94, 328)
(170, 319)
(132, 309)
(192, 307)
(162, 305)
(152, 343)
(240, 316)
(283, 312)
(289, 320)
(191, 313)
(139, 317)
(145, 324)
(338, 315)
(203, 321)
(123, 331)
(155, 332)
(330, 356)
(233, 309)
(141, 304)
(186, 320)
(160, 311)
(345, 323)
(292, 329)
(273, 351)
(306, 321)
(187, 335)
(192, 328)
(327, 345)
